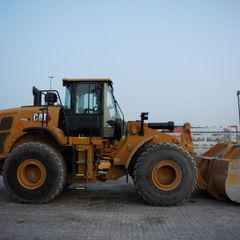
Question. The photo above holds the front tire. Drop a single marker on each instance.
(164, 174)
(34, 173)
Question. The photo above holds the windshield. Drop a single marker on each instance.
(112, 113)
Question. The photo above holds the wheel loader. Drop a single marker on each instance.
(50, 145)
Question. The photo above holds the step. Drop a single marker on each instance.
(81, 161)
(80, 188)
(80, 175)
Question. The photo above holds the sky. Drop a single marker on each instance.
(177, 60)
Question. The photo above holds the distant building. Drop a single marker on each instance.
(206, 137)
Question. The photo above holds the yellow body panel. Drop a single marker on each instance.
(29, 117)
(118, 152)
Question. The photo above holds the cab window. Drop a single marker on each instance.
(87, 101)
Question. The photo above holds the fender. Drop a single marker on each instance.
(43, 129)
(137, 147)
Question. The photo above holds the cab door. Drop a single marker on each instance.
(84, 117)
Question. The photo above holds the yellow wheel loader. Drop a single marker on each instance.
(48, 145)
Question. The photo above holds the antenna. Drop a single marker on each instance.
(238, 96)
(50, 78)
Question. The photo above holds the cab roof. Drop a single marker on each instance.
(65, 80)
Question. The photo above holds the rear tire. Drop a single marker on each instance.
(164, 174)
(34, 173)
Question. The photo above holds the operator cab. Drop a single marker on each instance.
(91, 109)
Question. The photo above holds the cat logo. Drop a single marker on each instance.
(41, 117)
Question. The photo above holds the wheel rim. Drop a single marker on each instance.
(166, 175)
(31, 174)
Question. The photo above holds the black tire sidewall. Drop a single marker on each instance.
(50, 160)
(149, 159)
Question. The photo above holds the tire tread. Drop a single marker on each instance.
(141, 158)
(56, 156)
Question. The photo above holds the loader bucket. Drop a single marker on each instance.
(219, 171)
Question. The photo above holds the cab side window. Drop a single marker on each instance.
(87, 101)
